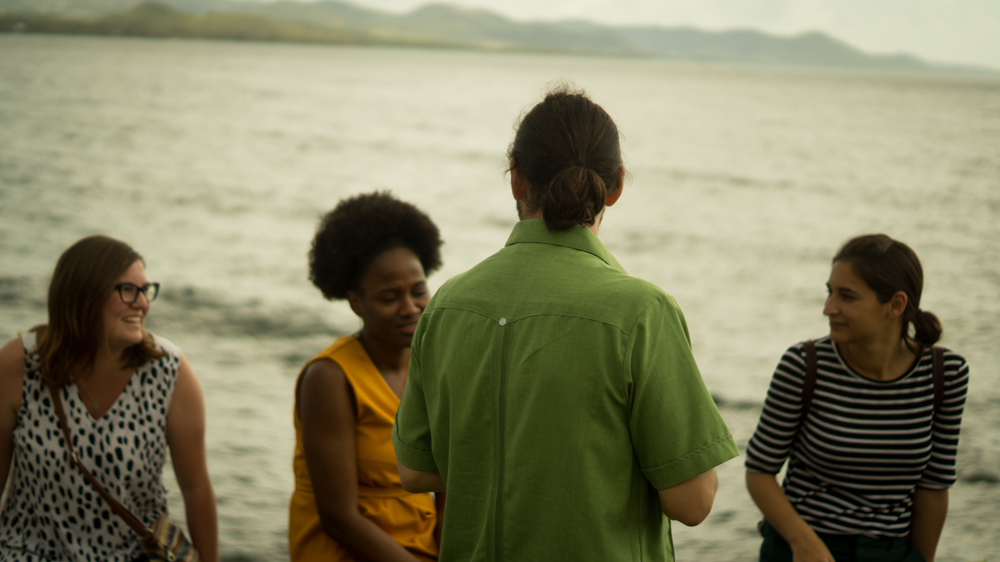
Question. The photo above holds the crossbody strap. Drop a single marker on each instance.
(145, 534)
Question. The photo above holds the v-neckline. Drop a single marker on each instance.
(378, 373)
(104, 415)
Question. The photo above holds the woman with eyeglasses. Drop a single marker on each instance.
(128, 398)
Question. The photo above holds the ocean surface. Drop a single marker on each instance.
(215, 160)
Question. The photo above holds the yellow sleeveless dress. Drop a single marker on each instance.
(407, 518)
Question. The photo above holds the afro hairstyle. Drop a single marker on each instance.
(360, 228)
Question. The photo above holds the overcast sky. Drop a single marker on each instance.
(957, 31)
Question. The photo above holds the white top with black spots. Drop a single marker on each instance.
(51, 512)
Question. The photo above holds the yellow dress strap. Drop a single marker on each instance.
(371, 392)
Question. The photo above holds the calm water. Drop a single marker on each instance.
(215, 160)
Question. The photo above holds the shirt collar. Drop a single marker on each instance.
(534, 231)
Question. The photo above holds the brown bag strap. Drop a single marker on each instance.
(937, 354)
(809, 385)
(145, 534)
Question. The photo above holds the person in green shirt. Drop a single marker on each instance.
(554, 397)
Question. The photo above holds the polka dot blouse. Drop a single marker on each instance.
(51, 513)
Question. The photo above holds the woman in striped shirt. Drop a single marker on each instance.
(872, 456)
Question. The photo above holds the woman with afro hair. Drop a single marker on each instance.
(374, 251)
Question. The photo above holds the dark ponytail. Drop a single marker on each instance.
(928, 327)
(888, 266)
(567, 151)
(574, 196)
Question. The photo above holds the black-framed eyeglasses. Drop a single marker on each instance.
(129, 292)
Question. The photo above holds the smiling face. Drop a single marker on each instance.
(392, 294)
(123, 323)
(855, 313)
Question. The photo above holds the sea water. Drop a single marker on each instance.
(215, 160)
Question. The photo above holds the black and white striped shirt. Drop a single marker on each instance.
(864, 446)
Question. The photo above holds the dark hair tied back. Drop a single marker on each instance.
(574, 196)
(888, 266)
(567, 151)
(927, 327)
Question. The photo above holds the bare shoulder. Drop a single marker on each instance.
(187, 387)
(187, 405)
(12, 360)
(11, 374)
(321, 376)
(323, 391)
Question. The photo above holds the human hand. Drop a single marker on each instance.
(811, 549)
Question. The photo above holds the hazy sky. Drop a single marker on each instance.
(961, 31)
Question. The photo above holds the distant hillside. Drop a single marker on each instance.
(154, 19)
(485, 29)
(435, 24)
(753, 46)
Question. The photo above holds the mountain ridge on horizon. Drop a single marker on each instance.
(442, 24)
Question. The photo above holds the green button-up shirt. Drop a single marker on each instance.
(555, 394)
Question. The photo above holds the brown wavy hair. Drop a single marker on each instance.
(82, 282)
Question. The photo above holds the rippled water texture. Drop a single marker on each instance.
(215, 159)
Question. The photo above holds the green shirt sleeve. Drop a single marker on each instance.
(677, 431)
(411, 433)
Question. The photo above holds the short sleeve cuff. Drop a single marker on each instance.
(934, 482)
(416, 459)
(692, 464)
(755, 465)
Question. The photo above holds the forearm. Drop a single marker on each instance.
(363, 539)
(690, 502)
(417, 481)
(930, 508)
(781, 515)
(186, 438)
(199, 505)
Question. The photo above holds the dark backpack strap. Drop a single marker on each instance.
(809, 385)
(808, 389)
(937, 355)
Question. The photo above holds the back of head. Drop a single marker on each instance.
(567, 151)
(82, 282)
(888, 266)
